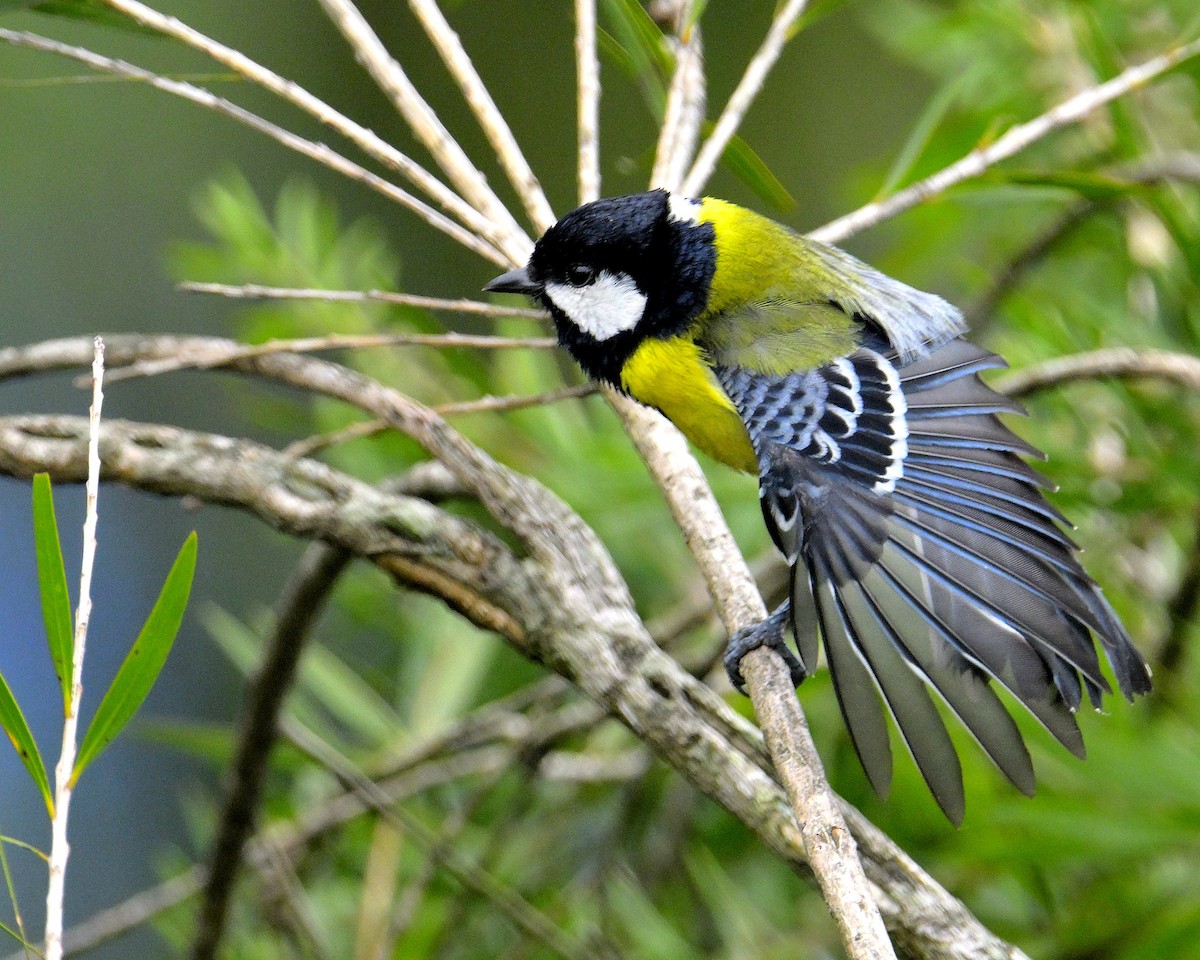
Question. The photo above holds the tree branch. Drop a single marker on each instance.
(309, 148)
(587, 100)
(1124, 362)
(743, 95)
(255, 291)
(303, 600)
(564, 605)
(291, 92)
(1010, 143)
(445, 41)
(390, 77)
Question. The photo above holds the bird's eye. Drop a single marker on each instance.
(581, 274)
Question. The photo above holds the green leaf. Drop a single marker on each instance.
(90, 10)
(326, 685)
(920, 135)
(639, 34)
(638, 47)
(144, 662)
(52, 584)
(19, 933)
(13, 721)
(749, 167)
(1091, 186)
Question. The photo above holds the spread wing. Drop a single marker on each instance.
(921, 545)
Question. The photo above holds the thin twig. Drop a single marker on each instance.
(587, 100)
(1124, 362)
(446, 42)
(524, 915)
(370, 428)
(60, 849)
(828, 843)
(520, 402)
(424, 122)
(1012, 142)
(743, 95)
(1180, 167)
(304, 598)
(334, 341)
(1029, 256)
(293, 93)
(256, 291)
(309, 148)
(684, 111)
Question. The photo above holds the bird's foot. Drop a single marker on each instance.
(768, 633)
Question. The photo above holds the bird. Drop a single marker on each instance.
(924, 556)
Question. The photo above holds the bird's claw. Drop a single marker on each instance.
(767, 633)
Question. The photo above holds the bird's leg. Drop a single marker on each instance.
(767, 633)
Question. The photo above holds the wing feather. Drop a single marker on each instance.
(923, 546)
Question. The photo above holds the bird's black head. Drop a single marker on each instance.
(616, 271)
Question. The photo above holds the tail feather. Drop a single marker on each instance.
(1011, 499)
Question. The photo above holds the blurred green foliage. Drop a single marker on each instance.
(1101, 864)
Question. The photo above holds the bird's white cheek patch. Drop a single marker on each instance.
(608, 306)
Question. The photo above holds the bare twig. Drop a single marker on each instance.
(1012, 142)
(1178, 167)
(684, 111)
(310, 446)
(422, 120)
(255, 291)
(59, 847)
(293, 93)
(303, 600)
(1124, 362)
(369, 428)
(563, 604)
(743, 95)
(1026, 259)
(315, 151)
(526, 917)
(500, 404)
(445, 41)
(334, 341)
(828, 844)
(587, 100)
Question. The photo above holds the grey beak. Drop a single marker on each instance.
(515, 281)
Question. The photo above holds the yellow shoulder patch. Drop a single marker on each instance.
(674, 377)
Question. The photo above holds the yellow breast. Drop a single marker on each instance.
(671, 375)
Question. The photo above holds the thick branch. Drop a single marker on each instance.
(1123, 362)
(565, 606)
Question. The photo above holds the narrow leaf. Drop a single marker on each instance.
(52, 584)
(145, 660)
(90, 10)
(19, 933)
(13, 721)
(5, 928)
(1096, 187)
(920, 135)
(739, 157)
